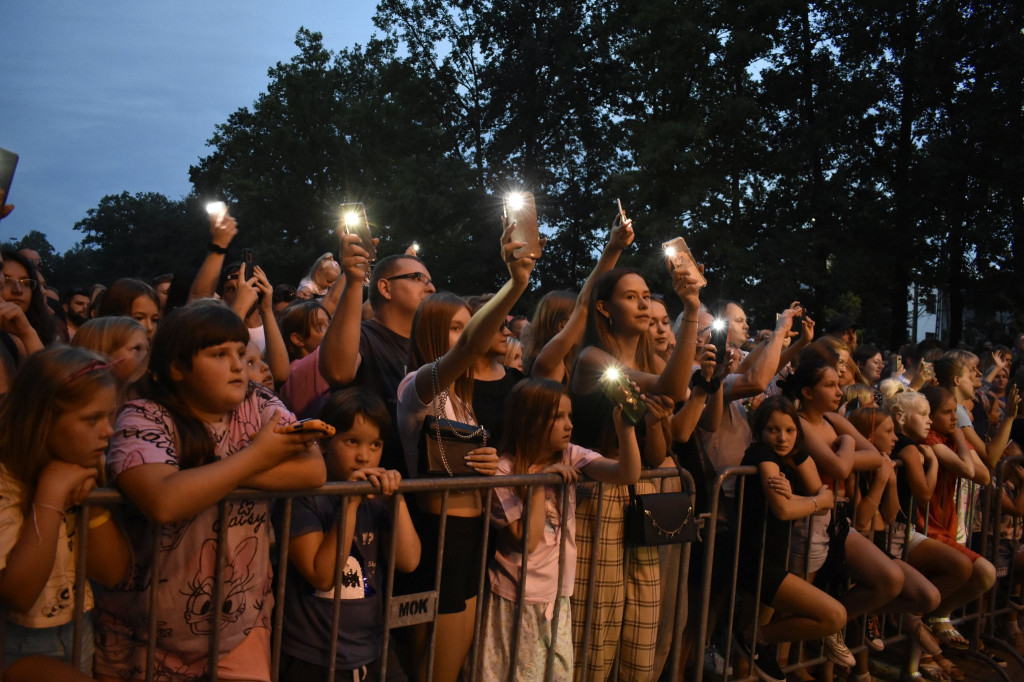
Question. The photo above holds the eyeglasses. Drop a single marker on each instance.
(420, 277)
(24, 283)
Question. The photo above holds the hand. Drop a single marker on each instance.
(264, 292)
(780, 484)
(685, 284)
(63, 484)
(483, 460)
(706, 358)
(354, 259)
(762, 336)
(223, 229)
(845, 441)
(271, 447)
(1012, 407)
(568, 473)
(385, 480)
(806, 331)
(13, 320)
(519, 268)
(829, 503)
(886, 470)
(621, 423)
(621, 235)
(926, 371)
(5, 209)
(247, 295)
(785, 322)
(659, 408)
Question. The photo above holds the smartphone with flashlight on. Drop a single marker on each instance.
(616, 386)
(8, 162)
(522, 212)
(679, 254)
(720, 340)
(216, 208)
(353, 221)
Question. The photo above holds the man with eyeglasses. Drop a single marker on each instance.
(374, 354)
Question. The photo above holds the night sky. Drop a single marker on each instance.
(113, 96)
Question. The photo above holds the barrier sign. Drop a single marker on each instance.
(412, 609)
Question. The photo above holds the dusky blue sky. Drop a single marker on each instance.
(104, 97)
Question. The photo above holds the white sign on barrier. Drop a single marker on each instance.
(412, 609)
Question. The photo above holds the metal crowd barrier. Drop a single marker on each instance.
(981, 617)
(398, 611)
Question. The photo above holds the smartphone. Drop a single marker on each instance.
(8, 162)
(622, 213)
(679, 254)
(353, 221)
(720, 340)
(216, 208)
(520, 209)
(616, 386)
(308, 425)
(248, 264)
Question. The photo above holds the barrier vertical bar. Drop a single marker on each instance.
(442, 528)
(388, 586)
(282, 578)
(588, 612)
(78, 613)
(517, 614)
(151, 624)
(480, 591)
(339, 568)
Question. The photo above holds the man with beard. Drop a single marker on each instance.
(76, 310)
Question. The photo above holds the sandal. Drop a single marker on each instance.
(915, 676)
(950, 668)
(931, 670)
(944, 631)
(925, 639)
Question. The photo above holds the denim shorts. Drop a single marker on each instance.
(56, 642)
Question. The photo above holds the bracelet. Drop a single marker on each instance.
(100, 520)
(49, 506)
(814, 499)
(222, 250)
(687, 319)
(709, 385)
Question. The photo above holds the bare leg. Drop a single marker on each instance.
(944, 567)
(878, 577)
(811, 613)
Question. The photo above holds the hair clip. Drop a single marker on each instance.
(91, 366)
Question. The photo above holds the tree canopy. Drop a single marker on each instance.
(836, 154)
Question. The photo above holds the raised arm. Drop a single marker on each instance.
(674, 380)
(223, 229)
(755, 379)
(700, 401)
(549, 362)
(476, 338)
(339, 349)
(1001, 438)
(276, 351)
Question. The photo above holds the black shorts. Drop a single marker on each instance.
(460, 565)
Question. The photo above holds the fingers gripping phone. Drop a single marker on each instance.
(679, 253)
(720, 340)
(521, 211)
(311, 425)
(353, 221)
(616, 386)
(8, 162)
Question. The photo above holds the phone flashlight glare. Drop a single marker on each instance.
(670, 252)
(416, 247)
(719, 324)
(351, 219)
(611, 374)
(515, 201)
(216, 208)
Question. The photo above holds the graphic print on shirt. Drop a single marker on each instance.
(238, 574)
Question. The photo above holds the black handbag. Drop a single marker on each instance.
(445, 442)
(660, 518)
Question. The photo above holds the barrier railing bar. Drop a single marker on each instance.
(389, 586)
(588, 609)
(282, 578)
(218, 587)
(549, 664)
(78, 618)
(517, 614)
(683, 586)
(482, 582)
(442, 528)
(339, 568)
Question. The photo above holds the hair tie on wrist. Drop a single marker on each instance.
(100, 520)
(222, 250)
(710, 386)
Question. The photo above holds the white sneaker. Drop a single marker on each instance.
(835, 649)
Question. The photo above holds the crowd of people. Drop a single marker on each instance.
(177, 393)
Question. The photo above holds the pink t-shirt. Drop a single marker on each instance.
(305, 384)
(542, 563)
(186, 555)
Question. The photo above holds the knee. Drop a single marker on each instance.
(891, 583)
(984, 574)
(929, 600)
(834, 616)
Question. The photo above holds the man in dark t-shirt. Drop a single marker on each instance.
(375, 354)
